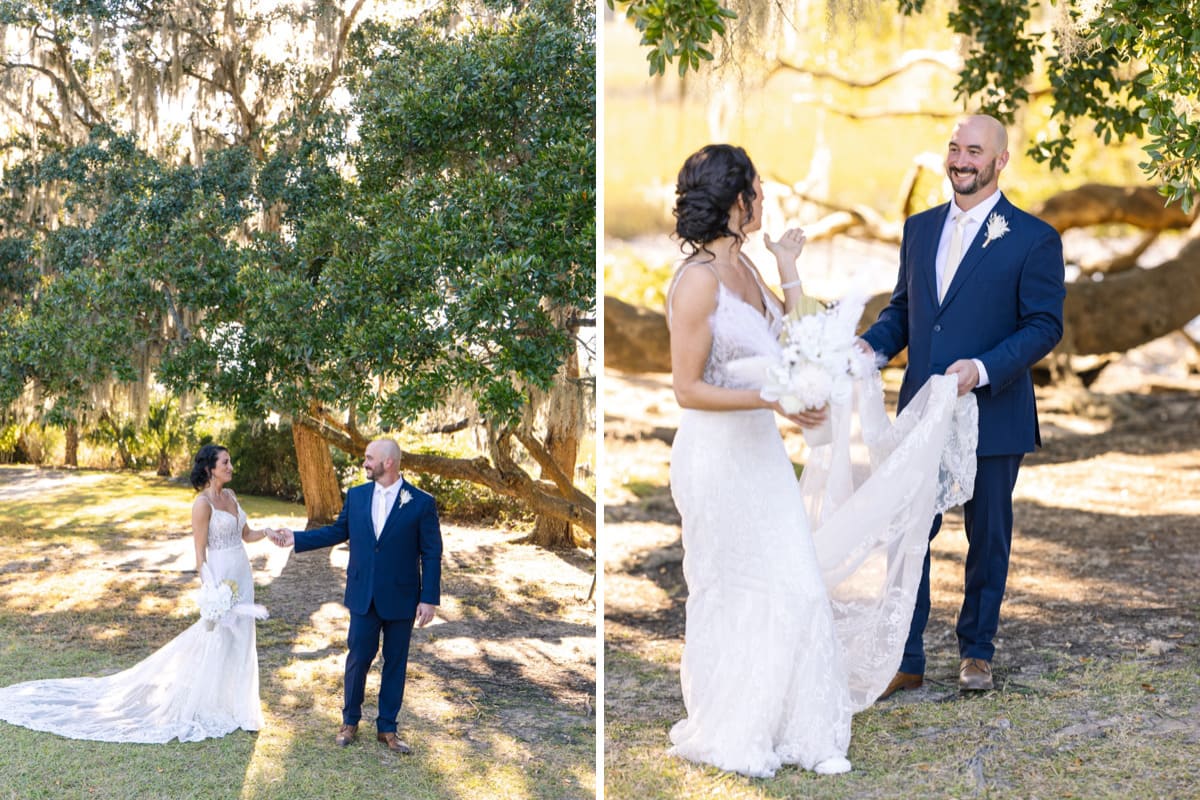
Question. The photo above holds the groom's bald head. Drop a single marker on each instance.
(988, 127)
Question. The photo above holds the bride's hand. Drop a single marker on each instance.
(812, 418)
(789, 246)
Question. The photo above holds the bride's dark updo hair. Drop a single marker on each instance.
(709, 184)
(203, 466)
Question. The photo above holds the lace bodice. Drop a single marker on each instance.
(739, 330)
(225, 530)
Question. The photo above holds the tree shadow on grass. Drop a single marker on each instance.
(494, 656)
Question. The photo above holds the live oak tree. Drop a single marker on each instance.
(164, 83)
(427, 244)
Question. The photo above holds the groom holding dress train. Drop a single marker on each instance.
(979, 296)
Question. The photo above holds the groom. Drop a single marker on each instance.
(979, 296)
(393, 580)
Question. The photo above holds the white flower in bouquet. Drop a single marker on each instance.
(219, 600)
(216, 599)
(818, 360)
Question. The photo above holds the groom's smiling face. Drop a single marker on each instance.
(975, 157)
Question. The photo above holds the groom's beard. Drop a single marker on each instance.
(976, 178)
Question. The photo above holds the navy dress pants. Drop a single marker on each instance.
(365, 630)
(988, 519)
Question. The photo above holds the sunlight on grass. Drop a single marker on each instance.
(469, 777)
(40, 593)
(100, 594)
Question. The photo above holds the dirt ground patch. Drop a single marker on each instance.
(1104, 587)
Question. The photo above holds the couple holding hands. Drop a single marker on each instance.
(204, 682)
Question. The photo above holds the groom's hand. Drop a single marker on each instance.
(282, 537)
(967, 373)
(424, 614)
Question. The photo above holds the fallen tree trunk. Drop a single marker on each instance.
(1131, 308)
(1119, 313)
(1125, 310)
(1102, 204)
(636, 339)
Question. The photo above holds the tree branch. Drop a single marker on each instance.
(63, 89)
(184, 334)
(1100, 204)
(453, 427)
(949, 61)
(551, 469)
(505, 478)
(335, 62)
(877, 112)
(64, 57)
(1121, 261)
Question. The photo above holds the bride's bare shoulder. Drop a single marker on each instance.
(694, 282)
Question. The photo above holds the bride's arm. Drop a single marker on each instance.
(201, 512)
(787, 251)
(248, 534)
(692, 302)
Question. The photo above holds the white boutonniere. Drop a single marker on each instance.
(997, 226)
(404, 497)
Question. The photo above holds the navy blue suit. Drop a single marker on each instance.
(1004, 307)
(385, 580)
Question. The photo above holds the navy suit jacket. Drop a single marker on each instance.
(401, 569)
(1004, 307)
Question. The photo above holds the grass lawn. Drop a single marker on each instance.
(97, 571)
(1098, 655)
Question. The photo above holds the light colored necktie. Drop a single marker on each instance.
(953, 254)
(379, 511)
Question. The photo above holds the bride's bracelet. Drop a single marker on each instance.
(790, 284)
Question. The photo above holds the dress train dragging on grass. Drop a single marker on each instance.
(200, 685)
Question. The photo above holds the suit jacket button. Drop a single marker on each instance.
(937, 328)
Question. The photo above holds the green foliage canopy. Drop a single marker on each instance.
(1128, 66)
(435, 237)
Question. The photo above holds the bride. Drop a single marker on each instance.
(203, 683)
(799, 594)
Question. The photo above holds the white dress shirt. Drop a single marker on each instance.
(381, 505)
(975, 220)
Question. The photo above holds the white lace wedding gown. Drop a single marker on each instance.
(201, 684)
(788, 632)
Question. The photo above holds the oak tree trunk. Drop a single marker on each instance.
(71, 454)
(318, 480)
(562, 442)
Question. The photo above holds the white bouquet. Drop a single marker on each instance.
(218, 600)
(818, 361)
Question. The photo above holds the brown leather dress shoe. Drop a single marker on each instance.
(903, 680)
(394, 744)
(974, 675)
(346, 734)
